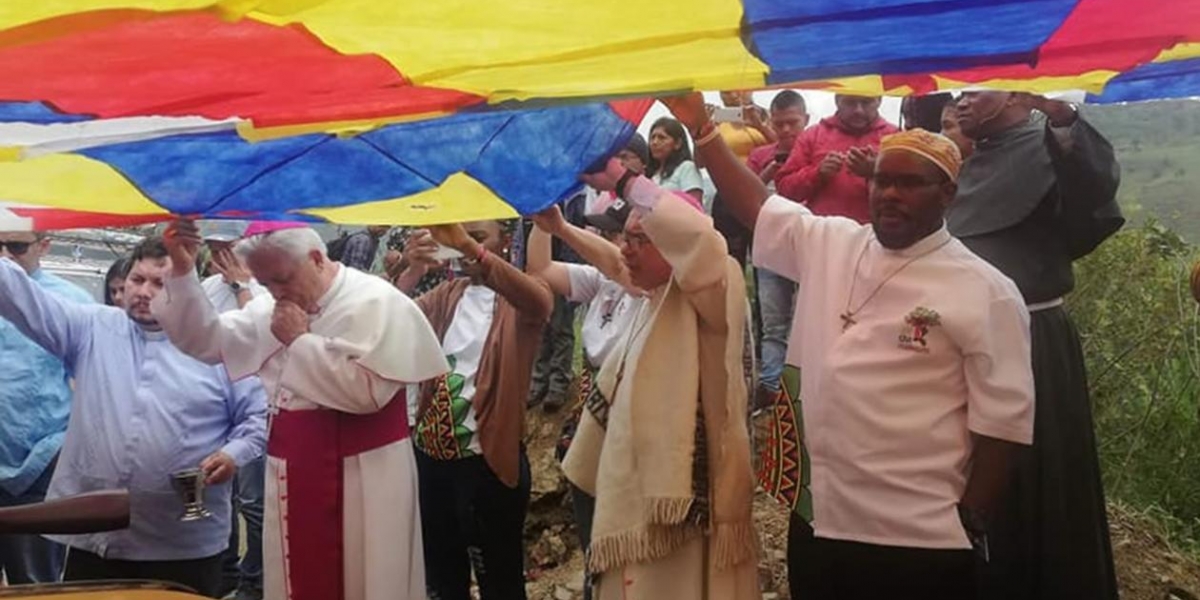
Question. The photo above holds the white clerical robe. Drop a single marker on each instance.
(364, 345)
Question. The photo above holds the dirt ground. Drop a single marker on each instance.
(1148, 568)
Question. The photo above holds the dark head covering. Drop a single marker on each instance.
(637, 145)
(1004, 180)
(612, 218)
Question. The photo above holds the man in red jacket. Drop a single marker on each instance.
(830, 163)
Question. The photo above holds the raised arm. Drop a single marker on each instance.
(593, 249)
(56, 324)
(757, 117)
(529, 295)
(539, 262)
(685, 236)
(1088, 176)
(232, 271)
(192, 323)
(741, 190)
(416, 261)
(185, 312)
(1087, 168)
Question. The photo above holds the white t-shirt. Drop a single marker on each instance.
(888, 405)
(610, 310)
(463, 346)
(221, 295)
(685, 178)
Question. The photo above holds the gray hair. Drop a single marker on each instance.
(296, 243)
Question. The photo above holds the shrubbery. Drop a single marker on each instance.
(1141, 336)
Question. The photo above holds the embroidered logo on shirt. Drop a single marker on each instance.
(916, 328)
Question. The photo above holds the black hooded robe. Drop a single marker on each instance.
(1031, 200)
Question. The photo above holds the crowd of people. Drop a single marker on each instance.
(361, 404)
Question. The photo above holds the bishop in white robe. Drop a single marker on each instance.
(335, 349)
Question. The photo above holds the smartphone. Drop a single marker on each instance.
(725, 114)
(445, 253)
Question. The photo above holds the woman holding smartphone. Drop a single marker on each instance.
(742, 124)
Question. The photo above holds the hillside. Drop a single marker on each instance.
(1158, 145)
(1148, 566)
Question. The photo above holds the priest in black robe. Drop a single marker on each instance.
(1039, 193)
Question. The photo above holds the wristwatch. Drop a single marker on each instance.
(235, 286)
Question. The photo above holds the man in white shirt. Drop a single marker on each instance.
(917, 390)
(230, 288)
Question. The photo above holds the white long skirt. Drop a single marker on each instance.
(382, 556)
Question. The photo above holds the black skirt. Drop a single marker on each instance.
(1049, 539)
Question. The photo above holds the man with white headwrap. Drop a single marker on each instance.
(917, 388)
(335, 349)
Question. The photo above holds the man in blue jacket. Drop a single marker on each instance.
(35, 399)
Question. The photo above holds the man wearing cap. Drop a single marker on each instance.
(663, 446)
(334, 348)
(1039, 193)
(917, 390)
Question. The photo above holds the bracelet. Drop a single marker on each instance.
(708, 136)
(623, 182)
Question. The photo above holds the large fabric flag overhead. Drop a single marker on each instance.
(396, 111)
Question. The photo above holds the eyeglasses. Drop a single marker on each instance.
(15, 248)
(636, 240)
(615, 237)
(903, 183)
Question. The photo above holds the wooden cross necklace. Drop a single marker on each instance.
(847, 315)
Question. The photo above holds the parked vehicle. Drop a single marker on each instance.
(89, 276)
